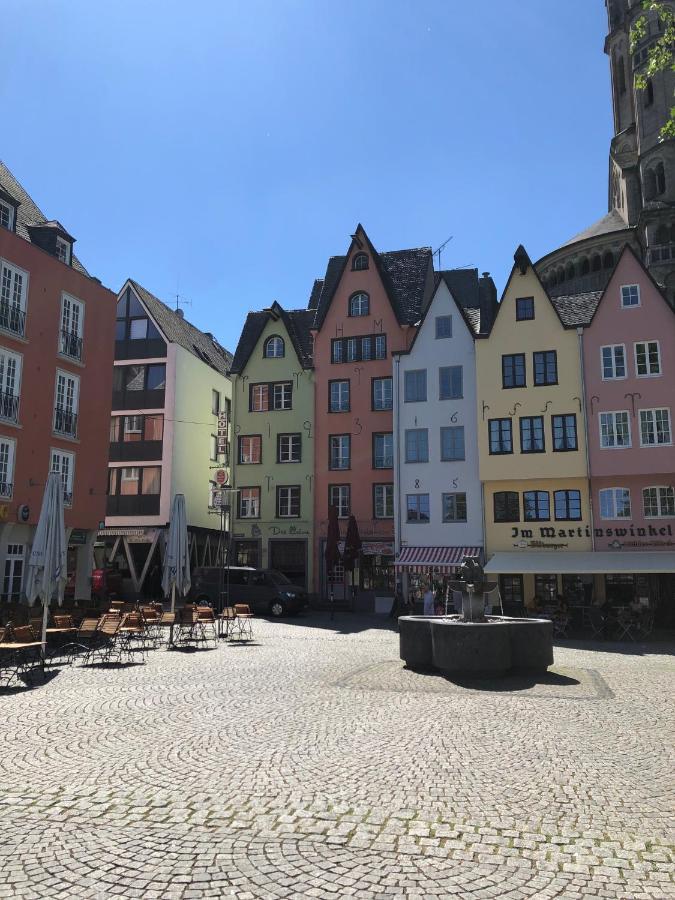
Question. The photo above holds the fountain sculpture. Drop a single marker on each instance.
(474, 643)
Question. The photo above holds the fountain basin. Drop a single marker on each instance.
(498, 645)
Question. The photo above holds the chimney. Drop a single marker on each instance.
(180, 313)
(487, 294)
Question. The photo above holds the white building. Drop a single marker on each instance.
(438, 509)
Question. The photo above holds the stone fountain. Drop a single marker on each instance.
(474, 643)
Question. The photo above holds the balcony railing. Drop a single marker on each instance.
(12, 318)
(65, 421)
(132, 505)
(135, 451)
(138, 399)
(9, 407)
(67, 497)
(71, 344)
(6, 490)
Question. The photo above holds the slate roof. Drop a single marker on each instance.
(577, 309)
(178, 330)
(404, 273)
(609, 223)
(316, 293)
(28, 213)
(463, 284)
(298, 323)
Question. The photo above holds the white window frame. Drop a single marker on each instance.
(285, 496)
(285, 448)
(385, 501)
(275, 341)
(379, 382)
(456, 494)
(7, 493)
(646, 344)
(64, 250)
(625, 287)
(75, 406)
(251, 503)
(78, 331)
(339, 384)
(652, 412)
(343, 443)
(11, 212)
(282, 390)
(613, 414)
(5, 356)
(612, 492)
(22, 305)
(69, 481)
(343, 490)
(240, 447)
(659, 504)
(613, 376)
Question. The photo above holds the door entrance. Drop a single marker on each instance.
(13, 578)
(290, 558)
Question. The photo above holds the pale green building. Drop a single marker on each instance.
(273, 443)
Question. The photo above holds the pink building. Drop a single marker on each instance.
(629, 370)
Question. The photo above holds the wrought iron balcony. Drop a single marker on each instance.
(71, 344)
(67, 497)
(6, 490)
(12, 318)
(65, 421)
(9, 407)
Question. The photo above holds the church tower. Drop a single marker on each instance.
(641, 185)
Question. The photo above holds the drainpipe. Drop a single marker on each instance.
(580, 338)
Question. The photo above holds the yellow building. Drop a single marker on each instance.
(532, 437)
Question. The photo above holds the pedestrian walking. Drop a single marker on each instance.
(429, 601)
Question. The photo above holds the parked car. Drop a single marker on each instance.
(266, 591)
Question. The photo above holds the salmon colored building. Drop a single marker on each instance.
(366, 306)
(629, 368)
(57, 327)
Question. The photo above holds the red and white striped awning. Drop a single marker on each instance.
(437, 559)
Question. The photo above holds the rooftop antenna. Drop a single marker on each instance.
(439, 250)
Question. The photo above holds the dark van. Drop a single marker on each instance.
(266, 591)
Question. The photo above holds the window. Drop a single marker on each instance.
(513, 370)
(532, 434)
(417, 508)
(382, 393)
(64, 465)
(630, 295)
(355, 349)
(613, 361)
(564, 432)
(151, 480)
(615, 503)
(6, 215)
(359, 305)
(501, 439)
(443, 326)
(156, 377)
(655, 427)
(454, 508)
(383, 501)
(415, 390)
(417, 445)
(506, 506)
(215, 402)
(274, 396)
(289, 448)
(72, 319)
(13, 579)
(658, 502)
(359, 262)
(138, 329)
(340, 451)
(524, 308)
(66, 403)
(7, 448)
(134, 480)
(614, 429)
(511, 589)
(536, 506)
(288, 502)
(214, 447)
(274, 347)
(250, 449)
(13, 295)
(450, 386)
(249, 503)
(452, 443)
(545, 365)
(338, 396)
(567, 505)
(10, 385)
(63, 250)
(338, 496)
(383, 450)
(647, 358)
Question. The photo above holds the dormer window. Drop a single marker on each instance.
(6, 215)
(274, 347)
(63, 250)
(359, 305)
(360, 262)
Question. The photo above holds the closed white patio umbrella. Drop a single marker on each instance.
(46, 573)
(176, 569)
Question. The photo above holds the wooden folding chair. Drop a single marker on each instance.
(226, 622)
(243, 621)
(21, 651)
(207, 624)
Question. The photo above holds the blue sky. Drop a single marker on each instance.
(225, 149)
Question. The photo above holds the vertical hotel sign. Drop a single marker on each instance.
(222, 434)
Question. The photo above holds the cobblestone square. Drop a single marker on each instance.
(312, 764)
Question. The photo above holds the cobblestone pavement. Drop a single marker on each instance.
(312, 764)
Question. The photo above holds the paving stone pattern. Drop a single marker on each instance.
(311, 764)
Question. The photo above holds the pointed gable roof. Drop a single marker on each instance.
(403, 273)
(298, 324)
(602, 294)
(470, 316)
(177, 330)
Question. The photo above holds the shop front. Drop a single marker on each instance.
(370, 587)
(419, 567)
